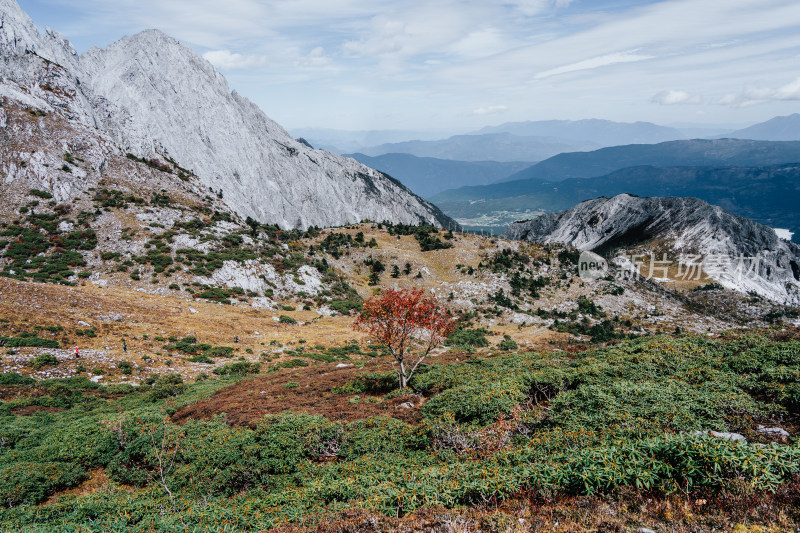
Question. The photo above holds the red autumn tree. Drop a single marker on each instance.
(409, 324)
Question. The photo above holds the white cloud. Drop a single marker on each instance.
(489, 110)
(753, 95)
(594, 62)
(224, 59)
(790, 91)
(675, 97)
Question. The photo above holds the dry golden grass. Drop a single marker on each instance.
(123, 314)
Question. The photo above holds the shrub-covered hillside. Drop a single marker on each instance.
(629, 432)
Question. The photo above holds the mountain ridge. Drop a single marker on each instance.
(693, 152)
(501, 147)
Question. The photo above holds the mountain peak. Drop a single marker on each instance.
(783, 128)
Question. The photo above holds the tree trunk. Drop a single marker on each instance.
(403, 377)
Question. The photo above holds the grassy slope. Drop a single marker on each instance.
(608, 429)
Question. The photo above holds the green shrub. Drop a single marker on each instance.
(32, 482)
(89, 332)
(239, 368)
(287, 439)
(218, 460)
(507, 344)
(569, 256)
(166, 386)
(475, 338)
(628, 406)
(284, 319)
(41, 194)
(188, 345)
(588, 307)
(12, 378)
(590, 422)
(218, 351)
(480, 403)
(345, 306)
(381, 435)
(32, 342)
(44, 359)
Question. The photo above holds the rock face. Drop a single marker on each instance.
(156, 98)
(686, 226)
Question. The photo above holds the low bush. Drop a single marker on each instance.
(239, 368)
(218, 351)
(476, 403)
(32, 342)
(344, 307)
(44, 359)
(474, 338)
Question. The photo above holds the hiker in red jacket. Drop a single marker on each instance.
(76, 353)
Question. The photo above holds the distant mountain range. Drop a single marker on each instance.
(427, 176)
(503, 147)
(697, 152)
(594, 131)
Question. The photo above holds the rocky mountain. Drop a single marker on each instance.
(775, 129)
(502, 147)
(154, 98)
(596, 131)
(427, 176)
(736, 252)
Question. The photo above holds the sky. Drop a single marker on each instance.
(458, 65)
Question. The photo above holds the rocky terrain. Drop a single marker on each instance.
(733, 251)
(274, 296)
